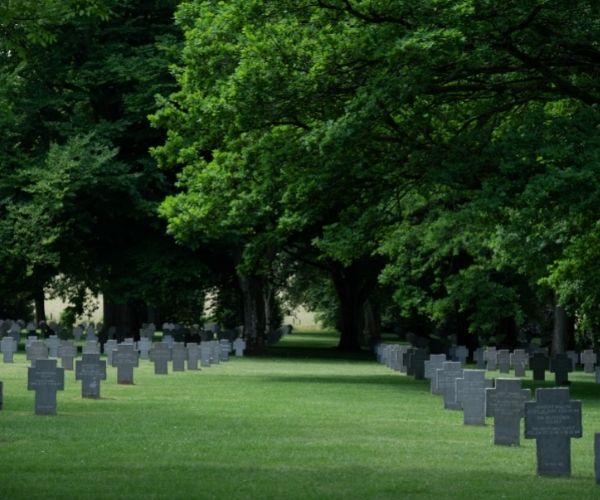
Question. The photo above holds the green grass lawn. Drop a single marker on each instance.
(283, 426)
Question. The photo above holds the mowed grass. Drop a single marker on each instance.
(283, 426)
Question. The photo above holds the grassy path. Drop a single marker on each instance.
(286, 426)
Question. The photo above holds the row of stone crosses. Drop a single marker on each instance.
(552, 419)
(46, 378)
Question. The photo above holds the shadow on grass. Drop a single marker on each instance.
(323, 353)
(381, 380)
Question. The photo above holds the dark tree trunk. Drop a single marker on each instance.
(254, 312)
(354, 284)
(372, 323)
(560, 330)
(40, 305)
(127, 318)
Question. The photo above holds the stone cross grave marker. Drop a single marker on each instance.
(29, 340)
(588, 359)
(461, 353)
(506, 405)
(90, 370)
(386, 353)
(470, 394)
(160, 355)
(417, 361)
(552, 420)
(125, 358)
(109, 348)
(91, 347)
(503, 357)
(168, 339)
(478, 357)
(431, 366)
(90, 333)
(144, 346)
(239, 345)
(77, 332)
(15, 332)
(491, 358)
(179, 356)
(447, 375)
(53, 342)
(193, 351)
(31, 328)
(574, 357)
(378, 351)
(561, 365)
(45, 379)
(539, 363)
(205, 353)
(37, 351)
(67, 352)
(519, 359)
(8, 346)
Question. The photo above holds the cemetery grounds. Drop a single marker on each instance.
(304, 422)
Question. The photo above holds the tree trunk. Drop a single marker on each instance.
(560, 330)
(254, 312)
(372, 323)
(127, 318)
(354, 285)
(40, 305)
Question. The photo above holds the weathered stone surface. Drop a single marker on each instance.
(506, 404)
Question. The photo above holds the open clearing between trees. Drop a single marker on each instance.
(286, 426)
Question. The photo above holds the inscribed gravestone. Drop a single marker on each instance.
(90, 370)
(406, 360)
(470, 394)
(91, 347)
(67, 352)
(215, 352)
(53, 342)
(45, 379)
(588, 359)
(552, 420)
(144, 346)
(109, 348)
(37, 351)
(179, 356)
(205, 352)
(417, 361)
(8, 346)
(503, 359)
(506, 404)
(193, 351)
(446, 379)
(519, 359)
(574, 357)
(125, 358)
(491, 357)
(15, 332)
(539, 363)
(160, 355)
(239, 345)
(478, 357)
(561, 365)
(435, 362)
(77, 332)
(461, 353)
(90, 333)
(225, 346)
